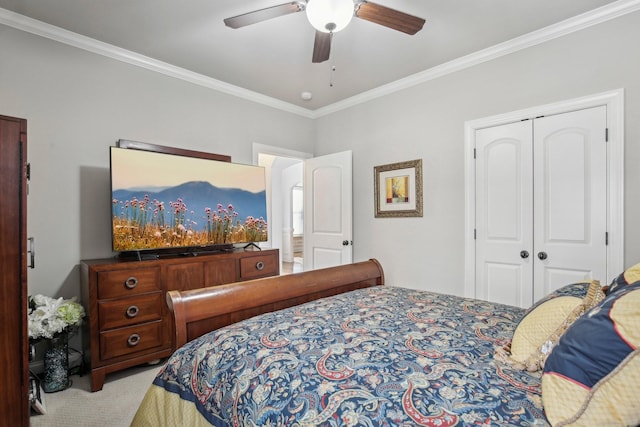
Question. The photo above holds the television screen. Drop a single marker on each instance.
(162, 201)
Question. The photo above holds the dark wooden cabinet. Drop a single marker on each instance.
(14, 335)
(129, 320)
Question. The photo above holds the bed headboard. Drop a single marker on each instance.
(198, 311)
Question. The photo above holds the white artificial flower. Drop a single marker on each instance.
(49, 317)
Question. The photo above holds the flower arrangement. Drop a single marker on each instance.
(50, 317)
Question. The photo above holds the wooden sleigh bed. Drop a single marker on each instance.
(200, 311)
(334, 347)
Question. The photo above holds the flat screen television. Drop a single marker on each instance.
(167, 203)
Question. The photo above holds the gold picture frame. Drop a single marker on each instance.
(398, 189)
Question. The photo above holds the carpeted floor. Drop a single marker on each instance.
(113, 406)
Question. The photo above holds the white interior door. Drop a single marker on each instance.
(570, 199)
(541, 205)
(504, 213)
(328, 211)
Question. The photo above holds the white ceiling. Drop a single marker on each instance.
(273, 58)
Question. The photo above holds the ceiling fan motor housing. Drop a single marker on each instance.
(329, 16)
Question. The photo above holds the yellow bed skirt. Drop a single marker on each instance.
(161, 408)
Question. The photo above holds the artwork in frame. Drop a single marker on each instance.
(398, 189)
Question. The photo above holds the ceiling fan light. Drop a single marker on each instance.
(329, 16)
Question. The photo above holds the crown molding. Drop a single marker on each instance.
(560, 29)
(568, 26)
(70, 38)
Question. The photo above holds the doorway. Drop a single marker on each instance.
(284, 171)
(327, 188)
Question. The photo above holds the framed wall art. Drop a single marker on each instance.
(398, 189)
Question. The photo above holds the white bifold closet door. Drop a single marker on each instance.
(541, 205)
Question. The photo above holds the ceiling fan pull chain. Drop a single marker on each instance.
(333, 70)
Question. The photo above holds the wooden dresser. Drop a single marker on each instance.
(129, 320)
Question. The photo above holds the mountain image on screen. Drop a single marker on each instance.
(189, 214)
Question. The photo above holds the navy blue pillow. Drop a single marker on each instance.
(591, 347)
(591, 376)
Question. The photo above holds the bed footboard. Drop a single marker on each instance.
(198, 311)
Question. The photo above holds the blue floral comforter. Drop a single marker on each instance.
(382, 356)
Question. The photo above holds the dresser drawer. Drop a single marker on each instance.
(131, 339)
(129, 311)
(258, 266)
(120, 283)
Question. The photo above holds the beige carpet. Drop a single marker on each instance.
(113, 406)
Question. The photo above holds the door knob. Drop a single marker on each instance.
(524, 254)
(542, 255)
(345, 243)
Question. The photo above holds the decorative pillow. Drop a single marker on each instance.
(537, 325)
(578, 290)
(540, 329)
(627, 277)
(592, 376)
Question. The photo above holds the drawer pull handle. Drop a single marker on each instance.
(131, 282)
(259, 265)
(132, 311)
(133, 340)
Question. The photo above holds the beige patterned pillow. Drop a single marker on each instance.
(539, 331)
(538, 325)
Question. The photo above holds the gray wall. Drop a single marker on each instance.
(427, 122)
(78, 104)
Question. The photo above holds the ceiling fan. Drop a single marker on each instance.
(330, 16)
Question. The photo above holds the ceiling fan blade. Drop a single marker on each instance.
(390, 18)
(321, 47)
(264, 14)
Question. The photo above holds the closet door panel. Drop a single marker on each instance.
(566, 187)
(570, 198)
(504, 213)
